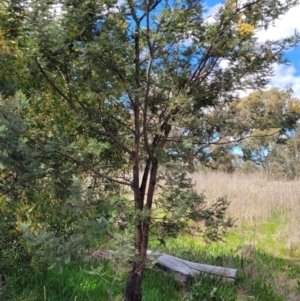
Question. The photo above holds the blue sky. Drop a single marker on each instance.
(284, 75)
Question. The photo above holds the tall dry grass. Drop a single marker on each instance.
(251, 196)
(256, 200)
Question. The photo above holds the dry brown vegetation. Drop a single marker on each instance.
(257, 201)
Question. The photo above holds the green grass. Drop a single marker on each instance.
(262, 277)
(75, 283)
(266, 270)
(71, 284)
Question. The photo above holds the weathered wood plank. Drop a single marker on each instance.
(183, 269)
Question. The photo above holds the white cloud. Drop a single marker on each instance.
(210, 13)
(283, 27)
(224, 64)
(286, 76)
(56, 10)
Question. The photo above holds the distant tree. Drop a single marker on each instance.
(269, 118)
(248, 167)
(221, 156)
(284, 160)
(249, 128)
(120, 89)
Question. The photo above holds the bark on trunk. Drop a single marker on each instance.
(133, 290)
(134, 283)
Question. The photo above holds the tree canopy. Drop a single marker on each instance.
(122, 94)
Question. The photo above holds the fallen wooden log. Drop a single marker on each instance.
(182, 269)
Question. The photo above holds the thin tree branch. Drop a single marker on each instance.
(96, 172)
(51, 82)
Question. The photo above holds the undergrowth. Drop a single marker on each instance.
(264, 247)
(261, 276)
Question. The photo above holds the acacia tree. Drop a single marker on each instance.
(140, 77)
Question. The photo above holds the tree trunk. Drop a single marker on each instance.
(191, 164)
(133, 290)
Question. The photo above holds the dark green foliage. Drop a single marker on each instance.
(40, 189)
(179, 205)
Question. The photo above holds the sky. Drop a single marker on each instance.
(283, 75)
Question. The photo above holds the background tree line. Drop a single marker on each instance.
(267, 142)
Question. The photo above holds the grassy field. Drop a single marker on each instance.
(264, 246)
(266, 212)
